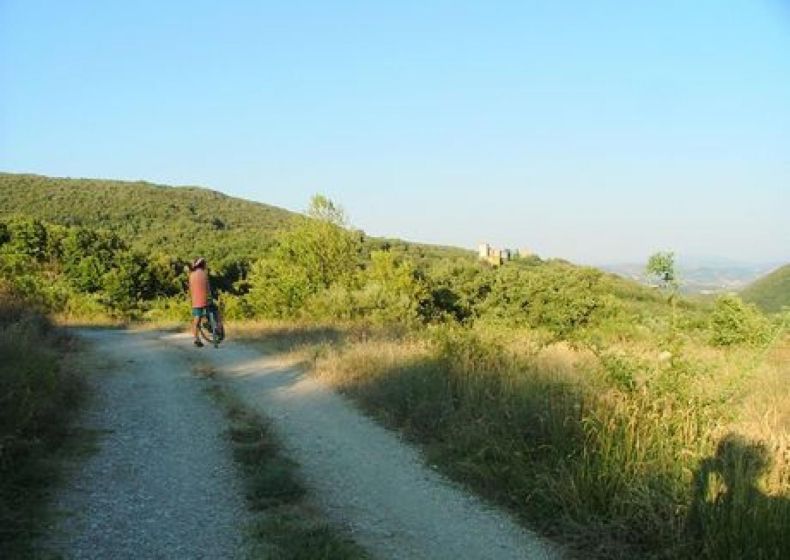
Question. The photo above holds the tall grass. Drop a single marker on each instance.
(618, 454)
(37, 399)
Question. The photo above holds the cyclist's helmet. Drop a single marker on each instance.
(199, 262)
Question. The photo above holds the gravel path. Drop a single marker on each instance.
(365, 477)
(162, 483)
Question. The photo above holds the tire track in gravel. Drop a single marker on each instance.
(162, 483)
(364, 477)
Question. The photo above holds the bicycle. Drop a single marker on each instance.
(210, 327)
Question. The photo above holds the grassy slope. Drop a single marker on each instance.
(771, 292)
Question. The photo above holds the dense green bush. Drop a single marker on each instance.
(736, 322)
(313, 257)
(561, 298)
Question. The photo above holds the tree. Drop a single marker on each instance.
(390, 291)
(277, 289)
(87, 255)
(129, 281)
(28, 237)
(661, 265)
(319, 253)
(324, 210)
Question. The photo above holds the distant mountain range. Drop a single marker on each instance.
(702, 274)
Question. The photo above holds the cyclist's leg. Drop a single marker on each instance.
(197, 312)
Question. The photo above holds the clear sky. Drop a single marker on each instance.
(594, 131)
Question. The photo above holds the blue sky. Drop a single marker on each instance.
(594, 131)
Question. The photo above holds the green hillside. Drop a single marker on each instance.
(771, 292)
(152, 218)
(179, 221)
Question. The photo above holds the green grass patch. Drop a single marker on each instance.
(285, 527)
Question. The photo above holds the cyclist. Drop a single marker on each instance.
(200, 291)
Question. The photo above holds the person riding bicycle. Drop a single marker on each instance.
(200, 292)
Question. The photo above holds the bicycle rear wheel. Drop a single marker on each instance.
(204, 328)
(212, 321)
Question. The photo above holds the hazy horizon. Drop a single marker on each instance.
(597, 133)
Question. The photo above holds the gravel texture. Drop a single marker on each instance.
(364, 477)
(162, 483)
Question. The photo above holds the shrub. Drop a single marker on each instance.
(736, 322)
(236, 308)
(561, 298)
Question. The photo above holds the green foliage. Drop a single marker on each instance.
(87, 255)
(27, 237)
(236, 308)
(38, 397)
(771, 293)
(277, 290)
(324, 210)
(314, 256)
(390, 292)
(183, 221)
(83, 271)
(457, 287)
(128, 282)
(560, 298)
(661, 265)
(735, 322)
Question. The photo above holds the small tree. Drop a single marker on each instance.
(390, 291)
(324, 210)
(28, 237)
(316, 255)
(661, 266)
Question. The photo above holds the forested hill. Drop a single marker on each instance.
(771, 292)
(151, 218)
(176, 221)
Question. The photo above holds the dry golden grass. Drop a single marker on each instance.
(617, 465)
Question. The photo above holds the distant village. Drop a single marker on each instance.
(497, 257)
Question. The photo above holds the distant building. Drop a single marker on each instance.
(495, 257)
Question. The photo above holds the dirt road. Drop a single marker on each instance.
(361, 476)
(162, 483)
